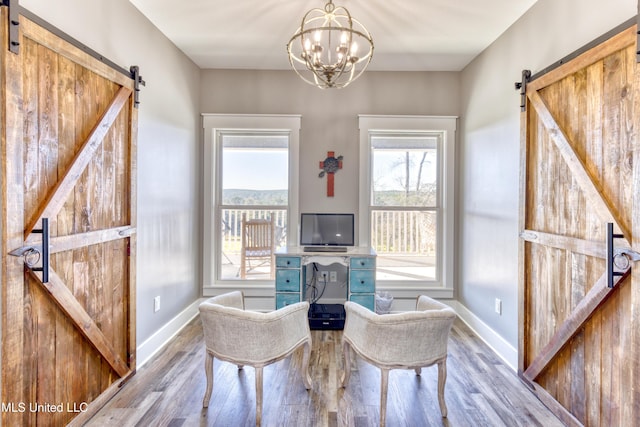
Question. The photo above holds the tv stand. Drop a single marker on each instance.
(291, 274)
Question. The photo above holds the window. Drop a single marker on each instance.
(250, 173)
(254, 184)
(406, 200)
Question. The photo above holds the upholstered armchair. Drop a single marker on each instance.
(409, 340)
(251, 338)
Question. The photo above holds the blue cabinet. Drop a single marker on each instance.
(291, 267)
(362, 281)
(287, 280)
(288, 274)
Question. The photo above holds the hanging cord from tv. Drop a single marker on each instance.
(313, 292)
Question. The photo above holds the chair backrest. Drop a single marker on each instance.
(415, 338)
(250, 337)
(258, 235)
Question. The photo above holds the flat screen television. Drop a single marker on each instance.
(326, 229)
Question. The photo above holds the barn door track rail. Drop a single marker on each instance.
(15, 10)
(528, 76)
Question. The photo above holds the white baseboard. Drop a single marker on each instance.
(499, 345)
(155, 342)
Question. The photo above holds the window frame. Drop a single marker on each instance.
(445, 127)
(214, 126)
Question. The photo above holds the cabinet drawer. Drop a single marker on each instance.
(365, 300)
(284, 299)
(287, 262)
(362, 281)
(363, 263)
(288, 280)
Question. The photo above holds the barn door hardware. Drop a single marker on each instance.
(618, 260)
(14, 22)
(137, 81)
(522, 85)
(638, 34)
(33, 254)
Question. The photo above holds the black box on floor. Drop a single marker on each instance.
(326, 316)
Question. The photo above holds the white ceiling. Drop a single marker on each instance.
(409, 35)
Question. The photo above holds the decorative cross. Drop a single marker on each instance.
(330, 166)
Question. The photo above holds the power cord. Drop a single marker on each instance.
(314, 294)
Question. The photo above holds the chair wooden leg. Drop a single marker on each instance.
(384, 386)
(243, 266)
(442, 378)
(258, 395)
(305, 365)
(346, 373)
(208, 369)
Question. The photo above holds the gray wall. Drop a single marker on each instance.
(329, 117)
(489, 150)
(168, 143)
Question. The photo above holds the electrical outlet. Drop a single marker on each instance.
(156, 304)
(498, 306)
(333, 276)
(324, 275)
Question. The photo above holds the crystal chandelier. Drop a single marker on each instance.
(330, 49)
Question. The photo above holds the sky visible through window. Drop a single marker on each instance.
(255, 169)
(390, 168)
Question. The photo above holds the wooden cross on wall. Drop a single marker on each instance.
(330, 166)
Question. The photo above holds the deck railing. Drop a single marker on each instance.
(397, 232)
(404, 232)
(232, 226)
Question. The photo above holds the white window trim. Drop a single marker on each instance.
(213, 124)
(446, 125)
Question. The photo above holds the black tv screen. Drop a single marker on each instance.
(326, 229)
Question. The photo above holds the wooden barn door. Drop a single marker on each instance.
(68, 154)
(580, 171)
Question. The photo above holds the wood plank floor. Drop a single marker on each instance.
(168, 391)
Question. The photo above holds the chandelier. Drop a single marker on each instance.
(330, 48)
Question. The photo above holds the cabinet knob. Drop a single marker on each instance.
(288, 262)
(288, 280)
(362, 282)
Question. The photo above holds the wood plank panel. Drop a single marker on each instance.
(581, 139)
(75, 339)
(631, 363)
(54, 202)
(594, 193)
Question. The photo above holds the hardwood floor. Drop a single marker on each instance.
(168, 391)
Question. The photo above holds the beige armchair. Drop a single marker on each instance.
(410, 340)
(251, 338)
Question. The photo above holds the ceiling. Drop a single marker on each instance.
(409, 35)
